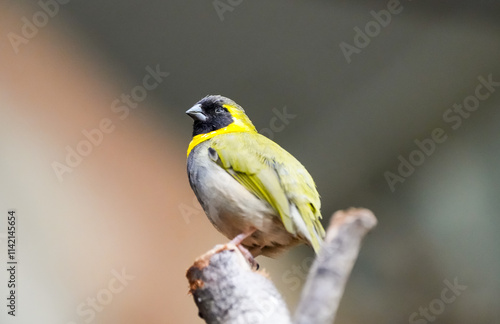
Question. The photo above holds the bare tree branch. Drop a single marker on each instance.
(329, 273)
(226, 289)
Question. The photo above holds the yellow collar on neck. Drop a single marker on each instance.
(234, 127)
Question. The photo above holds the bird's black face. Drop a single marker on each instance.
(209, 115)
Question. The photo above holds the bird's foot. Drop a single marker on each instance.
(249, 257)
(237, 241)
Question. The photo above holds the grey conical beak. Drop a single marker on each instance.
(196, 113)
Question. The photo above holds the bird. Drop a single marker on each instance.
(252, 190)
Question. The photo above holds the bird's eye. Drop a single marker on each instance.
(219, 110)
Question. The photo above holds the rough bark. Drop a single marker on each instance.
(226, 290)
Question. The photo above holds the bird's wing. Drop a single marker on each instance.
(272, 174)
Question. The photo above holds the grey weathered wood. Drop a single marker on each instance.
(329, 273)
(227, 291)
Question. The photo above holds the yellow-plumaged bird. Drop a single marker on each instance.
(247, 184)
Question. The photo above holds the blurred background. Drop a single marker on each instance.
(93, 138)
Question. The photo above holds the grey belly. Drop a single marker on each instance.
(233, 209)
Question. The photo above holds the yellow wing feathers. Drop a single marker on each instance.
(274, 175)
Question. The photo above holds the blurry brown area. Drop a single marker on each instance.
(121, 228)
(118, 210)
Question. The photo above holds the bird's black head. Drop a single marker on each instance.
(210, 115)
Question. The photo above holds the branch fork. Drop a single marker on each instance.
(227, 290)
